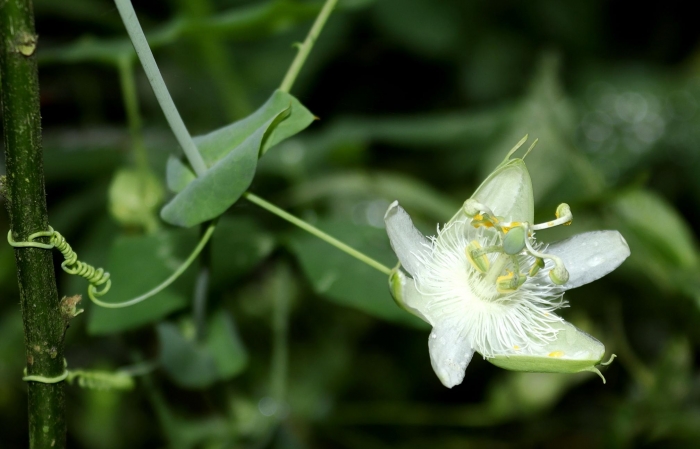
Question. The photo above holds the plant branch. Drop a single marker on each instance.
(307, 45)
(44, 325)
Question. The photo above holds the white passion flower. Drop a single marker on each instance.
(486, 285)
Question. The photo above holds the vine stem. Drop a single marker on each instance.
(131, 107)
(138, 39)
(316, 232)
(25, 193)
(307, 45)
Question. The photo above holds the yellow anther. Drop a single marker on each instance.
(563, 210)
(509, 282)
(485, 220)
(510, 226)
(477, 257)
(556, 354)
(559, 275)
(516, 347)
(564, 217)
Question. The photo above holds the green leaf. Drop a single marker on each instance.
(237, 246)
(217, 144)
(232, 153)
(226, 348)
(191, 364)
(558, 169)
(178, 174)
(410, 192)
(656, 223)
(187, 364)
(238, 23)
(136, 264)
(344, 279)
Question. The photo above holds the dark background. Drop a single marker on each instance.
(418, 100)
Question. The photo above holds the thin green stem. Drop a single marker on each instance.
(201, 290)
(131, 107)
(218, 60)
(307, 45)
(138, 39)
(317, 232)
(181, 269)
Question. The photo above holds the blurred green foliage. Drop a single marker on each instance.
(296, 345)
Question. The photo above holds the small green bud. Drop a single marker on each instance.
(134, 196)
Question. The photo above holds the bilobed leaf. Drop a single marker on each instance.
(211, 194)
(217, 144)
(231, 153)
(137, 264)
(344, 279)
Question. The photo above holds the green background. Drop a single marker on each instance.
(416, 100)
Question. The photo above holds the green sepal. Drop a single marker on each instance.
(572, 351)
(508, 190)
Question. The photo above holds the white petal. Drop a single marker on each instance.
(508, 192)
(407, 241)
(450, 353)
(404, 291)
(590, 256)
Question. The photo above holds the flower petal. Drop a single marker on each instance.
(450, 352)
(407, 241)
(404, 291)
(571, 352)
(508, 192)
(590, 256)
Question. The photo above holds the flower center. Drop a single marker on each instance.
(514, 239)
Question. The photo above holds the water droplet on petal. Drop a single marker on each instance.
(595, 261)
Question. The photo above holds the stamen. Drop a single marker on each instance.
(564, 217)
(472, 207)
(477, 256)
(559, 275)
(510, 282)
(536, 267)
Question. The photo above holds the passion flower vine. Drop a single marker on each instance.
(486, 285)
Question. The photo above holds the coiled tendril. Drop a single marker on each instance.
(71, 265)
(98, 276)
